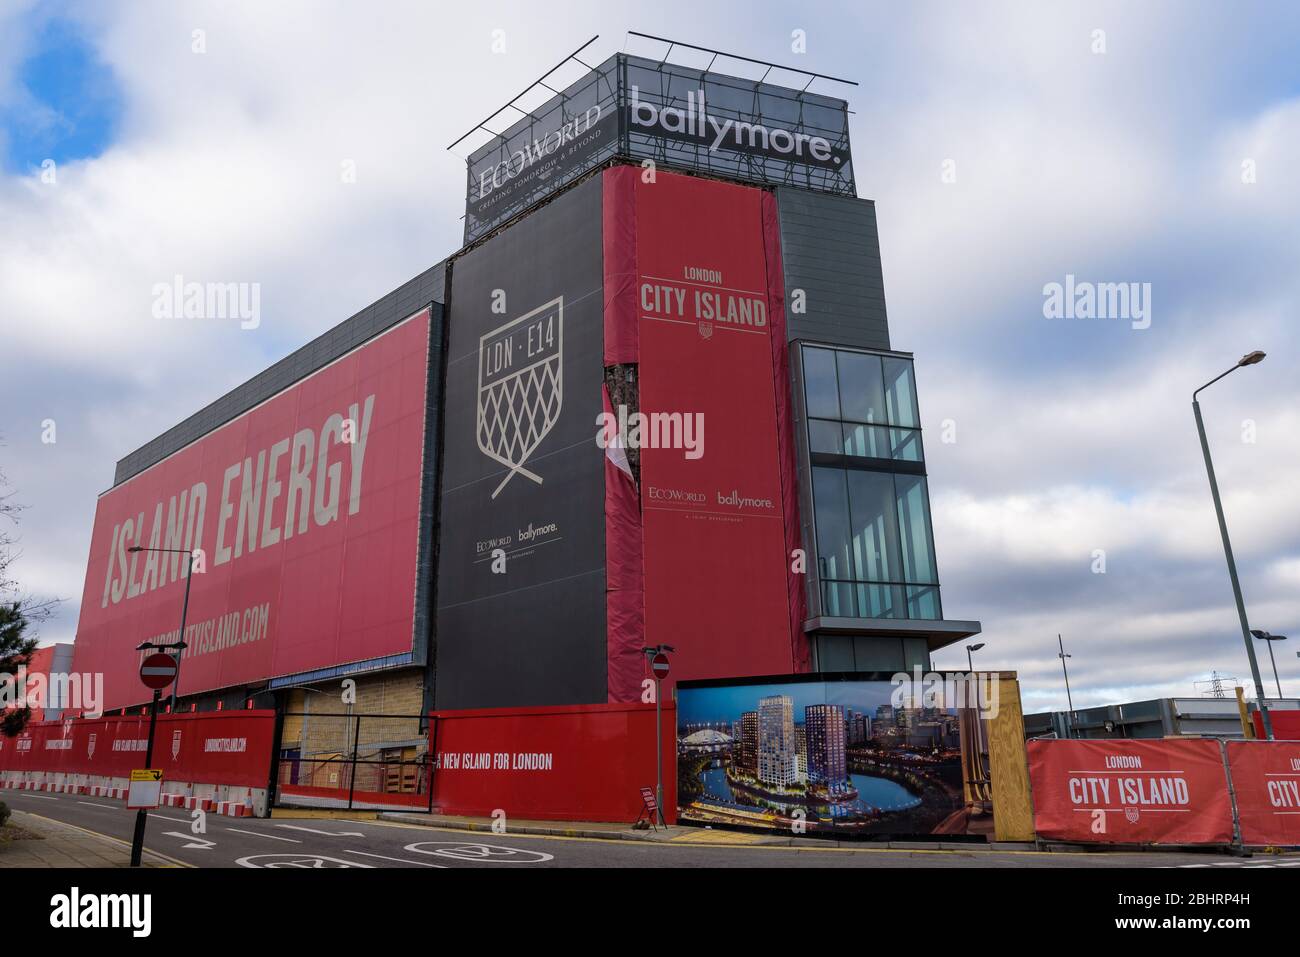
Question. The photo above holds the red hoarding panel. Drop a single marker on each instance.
(797, 596)
(1266, 780)
(584, 763)
(715, 554)
(1286, 724)
(211, 748)
(306, 509)
(1128, 792)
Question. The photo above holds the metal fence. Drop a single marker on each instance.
(352, 760)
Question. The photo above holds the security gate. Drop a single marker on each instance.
(341, 760)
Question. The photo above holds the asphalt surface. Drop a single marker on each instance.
(333, 842)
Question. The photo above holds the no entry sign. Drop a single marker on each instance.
(158, 671)
(660, 665)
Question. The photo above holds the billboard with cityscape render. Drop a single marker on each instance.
(845, 754)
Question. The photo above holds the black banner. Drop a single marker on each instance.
(521, 577)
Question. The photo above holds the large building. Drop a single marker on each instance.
(777, 751)
(426, 500)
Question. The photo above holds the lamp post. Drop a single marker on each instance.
(1069, 700)
(185, 607)
(1249, 359)
(1265, 636)
(970, 648)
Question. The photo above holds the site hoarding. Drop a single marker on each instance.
(667, 113)
(1266, 785)
(580, 763)
(1171, 791)
(303, 516)
(709, 339)
(521, 572)
(853, 755)
(232, 748)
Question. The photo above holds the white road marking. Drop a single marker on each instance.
(93, 804)
(399, 859)
(39, 797)
(273, 837)
(312, 830)
(197, 843)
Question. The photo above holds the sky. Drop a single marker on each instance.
(1006, 146)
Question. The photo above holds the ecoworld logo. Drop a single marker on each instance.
(1129, 301)
(533, 153)
(696, 124)
(76, 910)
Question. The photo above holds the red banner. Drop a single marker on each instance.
(1266, 780)
(715, 543)
(1129, 792)
(1286, 724)
(585, 763)
(306, 510)
(209, 748)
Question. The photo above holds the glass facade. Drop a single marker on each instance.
(875, 547)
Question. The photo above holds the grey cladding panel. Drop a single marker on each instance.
(831, 250)
(324, 349)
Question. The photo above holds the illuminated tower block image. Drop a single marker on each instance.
(776, 744)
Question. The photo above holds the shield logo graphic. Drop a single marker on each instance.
(1131, 814)
(176, 744)
(706, 329)
(90, 746)
(67, 726)
(520, 387)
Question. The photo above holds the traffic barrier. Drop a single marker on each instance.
(210, 759)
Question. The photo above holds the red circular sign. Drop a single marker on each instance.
(158, 671)
(660, 665)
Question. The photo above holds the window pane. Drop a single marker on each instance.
(825, 436)
(881, 601)
(914, 525)
(865, 441)
(875, 532)
(819, 384)
(835, 653)
(830, 503)
(900, 393)
(862, 395)
(923, 602)
(837, 600)
(905, 445)
(877, 654)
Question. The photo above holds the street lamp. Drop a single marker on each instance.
(185, 607)
(1069, 700)
(1265, 636)
(970, 648)
(1249, 359)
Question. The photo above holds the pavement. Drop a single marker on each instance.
(330, 839)
(29, 840)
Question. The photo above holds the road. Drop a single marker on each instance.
(333, 842)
